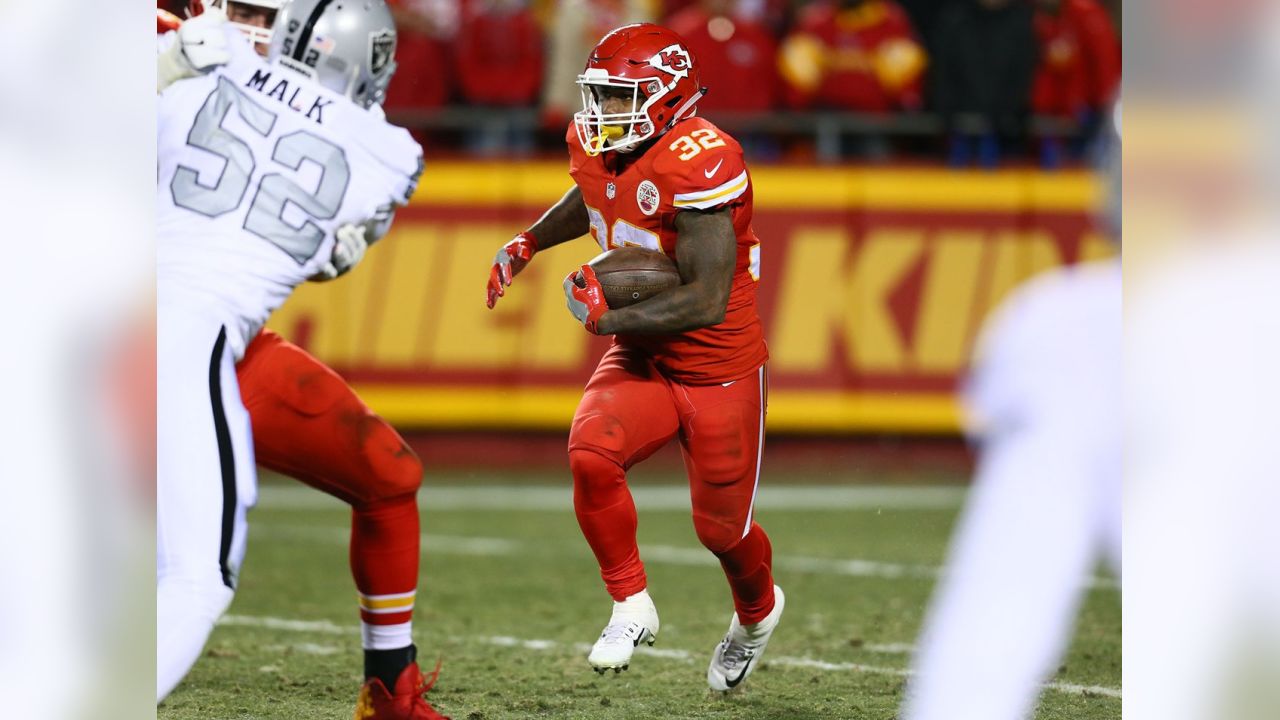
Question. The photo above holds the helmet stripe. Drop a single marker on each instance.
(308, 28)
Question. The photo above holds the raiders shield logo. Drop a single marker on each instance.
(382, 47)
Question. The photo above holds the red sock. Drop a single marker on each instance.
(749, 569)
(384, 563)
(607, 516)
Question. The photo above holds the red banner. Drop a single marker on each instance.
(870, 306)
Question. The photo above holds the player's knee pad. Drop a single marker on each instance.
(718, 534)
(600, 432)
(392, 468)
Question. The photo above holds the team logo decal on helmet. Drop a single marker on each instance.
(348, 47)
(647, 197)
(673, 60)
(382, 47)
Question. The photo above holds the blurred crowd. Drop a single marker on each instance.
(979, 69)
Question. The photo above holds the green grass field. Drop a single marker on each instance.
(510, 597)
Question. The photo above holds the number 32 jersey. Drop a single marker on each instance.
(693, 166)
(258, 167)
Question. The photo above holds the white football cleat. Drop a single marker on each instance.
(738, 654)
(634, 621)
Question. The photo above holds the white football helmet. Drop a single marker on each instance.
(348, 46)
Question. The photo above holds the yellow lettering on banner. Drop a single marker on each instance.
(821, 295)
(529, 328)
(1096, 247)
(1018, 256)
(870, 330)
(944, 324)
(355, 311)
(401, 309)
(553, 339)
(467, 334)
(332, 312)
(810, 302)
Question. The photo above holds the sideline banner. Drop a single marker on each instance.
(873, 286)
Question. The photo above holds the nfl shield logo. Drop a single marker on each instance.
(382, 47)
(610, 190)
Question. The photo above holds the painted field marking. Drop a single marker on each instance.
(328, 628)
(656, 554)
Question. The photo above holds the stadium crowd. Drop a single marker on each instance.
(981, 79)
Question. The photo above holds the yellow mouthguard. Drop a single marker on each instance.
(607, 133)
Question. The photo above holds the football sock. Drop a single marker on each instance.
(384, 563)
(749, 569)
(386, 665)
(607, 516)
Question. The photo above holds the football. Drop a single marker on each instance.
(631, 274)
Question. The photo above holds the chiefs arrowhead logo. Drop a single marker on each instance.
(673, 60)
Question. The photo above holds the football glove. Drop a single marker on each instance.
(508, 263)
(586, 301)
(348, 251)
(200, 45)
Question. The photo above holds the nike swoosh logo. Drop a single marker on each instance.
(713, 170)
(734, 682)
(728, 383)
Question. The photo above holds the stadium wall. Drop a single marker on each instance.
(874, 283)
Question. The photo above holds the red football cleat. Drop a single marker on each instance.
(406, 703)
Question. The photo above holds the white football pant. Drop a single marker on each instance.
(206, 480)
(1045, 504)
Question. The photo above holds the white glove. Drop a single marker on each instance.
(200, 46)
(348, 251)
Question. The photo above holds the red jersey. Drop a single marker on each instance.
(693, 166)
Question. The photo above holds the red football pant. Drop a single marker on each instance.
(309, 424)
(628, 411)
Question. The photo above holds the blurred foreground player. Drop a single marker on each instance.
(1045, 399)
(688, 362)
(309, 424)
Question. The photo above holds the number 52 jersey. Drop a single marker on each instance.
(258, 167)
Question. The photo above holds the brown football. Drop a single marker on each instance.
(631, 274)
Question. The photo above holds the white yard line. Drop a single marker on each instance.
(654, 554)
(328, 628)
(295, 496)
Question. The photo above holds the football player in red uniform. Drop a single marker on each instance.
(688, 362)
(310, 425)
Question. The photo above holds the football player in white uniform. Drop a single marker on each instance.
(1044, 397)
(265, 168)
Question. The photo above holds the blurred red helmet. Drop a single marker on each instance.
(166, 21)
(657, 67)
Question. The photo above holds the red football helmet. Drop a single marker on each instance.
(166, 21)
(658, 68)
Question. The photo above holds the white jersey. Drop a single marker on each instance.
(1045, 398)
(258, 166)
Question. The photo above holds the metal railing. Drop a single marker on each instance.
(827, 130)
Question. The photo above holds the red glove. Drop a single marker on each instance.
(508, 263)
(585, 297)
